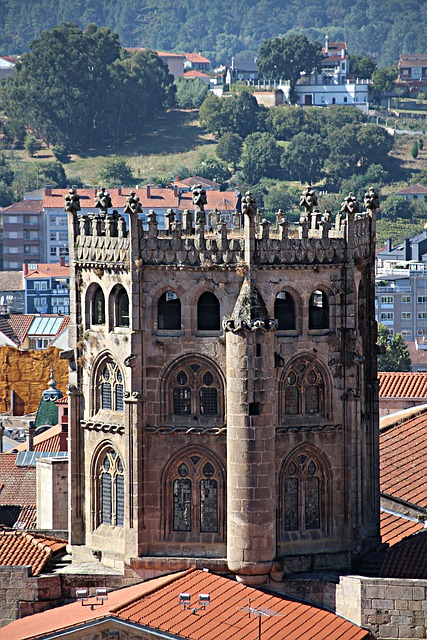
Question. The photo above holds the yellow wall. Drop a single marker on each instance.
(27, 373)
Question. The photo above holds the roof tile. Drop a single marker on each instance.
(403, 384)
(407, 559)
(394, 528)
(18, 548)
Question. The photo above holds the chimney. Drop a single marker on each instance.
(48, 190)
(25, 269)
(119, 191)
(31, 432)
(62, 261)
(326, 44)
(148, 191)
(407, 249)
(175, 190)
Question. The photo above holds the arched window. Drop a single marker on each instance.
(196, 391)
(98, 307)
(303, 487)
(110, 386)
(196, 488)
(303, 392)
(169, 311)
(284, 311)
(318, 310)
(111, 494)
(122, 308)
(208, 312)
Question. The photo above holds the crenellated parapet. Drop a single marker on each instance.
(187, 240)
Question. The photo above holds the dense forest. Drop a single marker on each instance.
(224, 28)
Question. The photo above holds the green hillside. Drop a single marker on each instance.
(221, 29)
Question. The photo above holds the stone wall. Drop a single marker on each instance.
(389, 607)
(27, 373)
(52, 494)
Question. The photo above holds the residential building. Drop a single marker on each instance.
(12, 292)
(414, 192)
(23, 237)
(193, 73)
(242, 70)
(7, 66)
(47, 288)
(175, 61)
(30, 331)
(401, 287)
(332, 83)
(413, 70)
(196, 62)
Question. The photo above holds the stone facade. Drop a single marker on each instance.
(52, 494)
(223, 396)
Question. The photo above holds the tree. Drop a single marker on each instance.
(286, 122)
(31, 145)
(212, 169)
(280, 196)
(414, 149)
(396, 207)
(116, 171)
(260, 157)
(229, 148)
(375, 144)
(287, 58)
(383, 79)
(356, 146)
(190, 92)
(396, 356)
(239, 114)
(305, 157)
(362, 66)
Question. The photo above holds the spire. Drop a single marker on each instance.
(250, 312)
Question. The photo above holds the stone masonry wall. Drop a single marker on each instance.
(389, 607)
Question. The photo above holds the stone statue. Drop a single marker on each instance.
(72, 202)
(103, 200)
(199, 201)
(249, 207)
(371, 200)
(350, 205)
(133, 204)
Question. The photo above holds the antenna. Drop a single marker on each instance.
(259, 613)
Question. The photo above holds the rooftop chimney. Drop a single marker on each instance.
(31, 432)
(119, 191)
(62, 261)
(175, 190)
(148, 191)
(25, 269)
(326, 44)
(48, 190)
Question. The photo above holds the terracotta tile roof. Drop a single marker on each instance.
(16, 517)
(194, 73)
(11, 59)
(394, 528)
(17, 493)
(403, 463)
(24, 206)
(333, 46)
(63, 400)
(11, 281)
(155, 604)
(195, 57)
(52, 440)
(402, 384)
(415, 189)
(407, 559)
(20, 549)
(158, 199)
(15, 326)
(49, 271)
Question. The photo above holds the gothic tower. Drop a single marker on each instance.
(223, 395)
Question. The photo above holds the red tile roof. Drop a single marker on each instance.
(17, 493)
(54, 270)
(51, 440)
(158, 199)
(407, 559)
(20, 549)
(403, 463)
(394, 528)
(24, 206)
(196, 57)
(194, 73)
(415, 189)
(155, 604)
(402, 384)
(16, 326)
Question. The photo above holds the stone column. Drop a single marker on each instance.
(134, 491)
(76, 470)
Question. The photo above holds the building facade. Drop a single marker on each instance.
(47, 288)
(223, 404)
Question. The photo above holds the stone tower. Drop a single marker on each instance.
(223, 394)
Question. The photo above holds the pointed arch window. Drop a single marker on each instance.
(111, 495)
(304, 390)
(196, 391)
(110, 386)
(284, 311)
(208, 312)
(122, 308)
(303, 484)
(318, 311)
(196, 483)
(169, 311)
